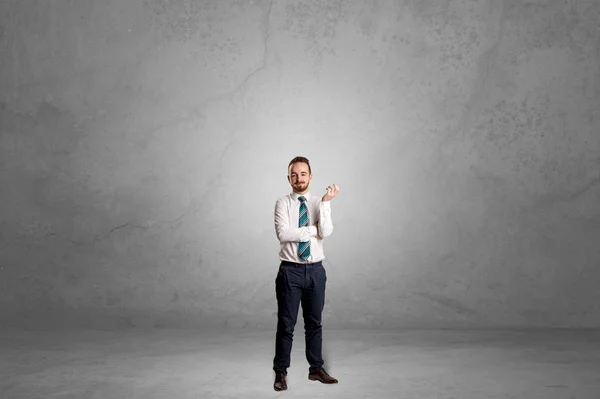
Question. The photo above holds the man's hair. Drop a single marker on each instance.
(300, 159)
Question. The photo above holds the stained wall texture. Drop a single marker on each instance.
(143, 145)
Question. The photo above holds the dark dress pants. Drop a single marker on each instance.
(299, 283)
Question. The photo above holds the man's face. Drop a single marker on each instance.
(299, 177)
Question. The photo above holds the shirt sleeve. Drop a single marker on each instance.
(285, 232)
(325, 223)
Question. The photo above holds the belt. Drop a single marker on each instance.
(286, 262)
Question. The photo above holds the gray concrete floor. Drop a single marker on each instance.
(429, 364)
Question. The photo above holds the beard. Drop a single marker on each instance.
(301, 187)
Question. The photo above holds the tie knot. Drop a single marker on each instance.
(302, 199)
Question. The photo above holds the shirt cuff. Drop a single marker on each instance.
(326, 204)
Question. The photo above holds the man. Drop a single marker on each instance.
(302, 221)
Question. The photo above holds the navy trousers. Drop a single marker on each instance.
(299, 283)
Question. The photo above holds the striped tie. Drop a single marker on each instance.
(303, 247)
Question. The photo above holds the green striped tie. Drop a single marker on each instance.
(303, 247)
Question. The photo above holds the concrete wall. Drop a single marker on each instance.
(144, 143)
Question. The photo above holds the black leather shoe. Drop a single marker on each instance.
(322, 376)
(280, 383)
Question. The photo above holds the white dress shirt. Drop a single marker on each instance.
(287, 210)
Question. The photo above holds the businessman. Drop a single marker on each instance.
(302, 221)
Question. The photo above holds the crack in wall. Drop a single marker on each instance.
(569, 196)
(265, 51)
(230, 94)
(476, 100)
(447, 303)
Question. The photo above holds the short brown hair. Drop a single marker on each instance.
(300, 159)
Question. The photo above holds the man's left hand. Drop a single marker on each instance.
(331, 192)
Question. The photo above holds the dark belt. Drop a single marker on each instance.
(285, 262)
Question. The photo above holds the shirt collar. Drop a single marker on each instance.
(296, 195)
